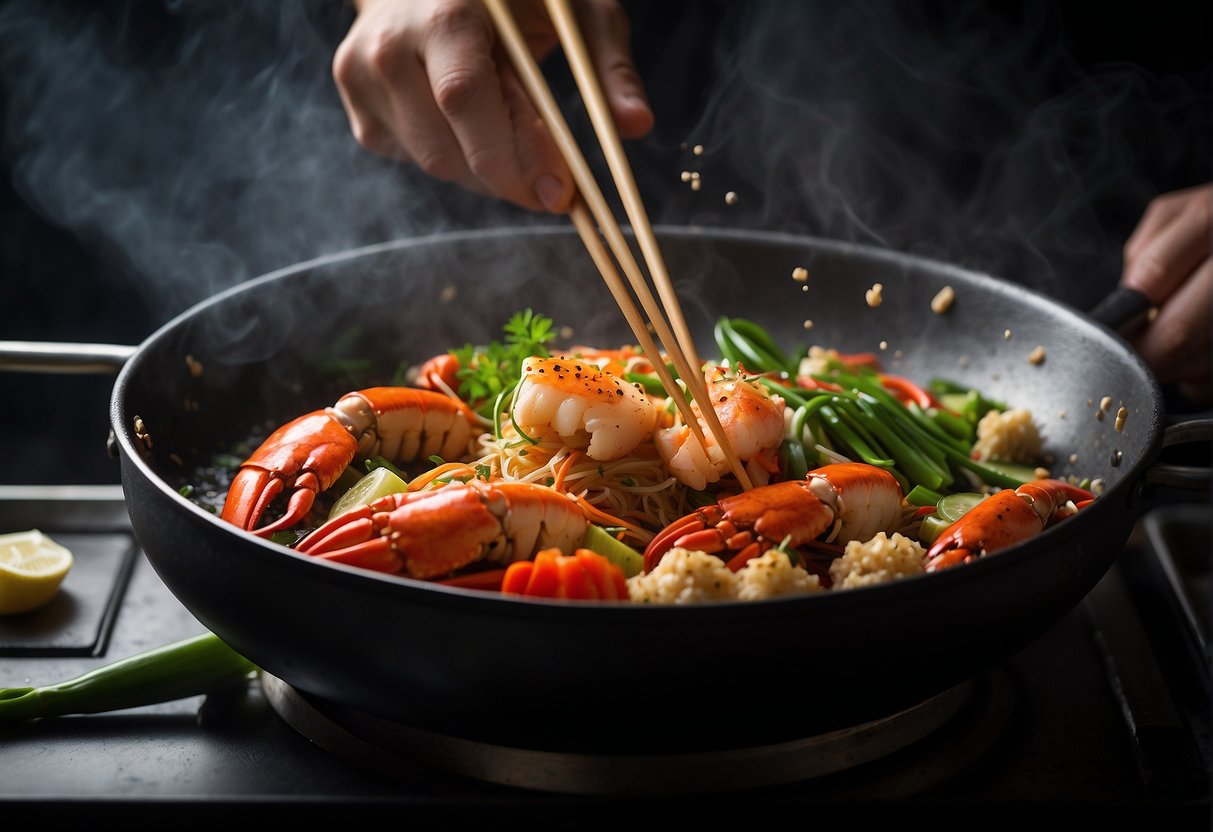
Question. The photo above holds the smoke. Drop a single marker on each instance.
(204, 142)
(968, 132)
(201, 143)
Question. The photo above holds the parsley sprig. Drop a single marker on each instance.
(485, 372)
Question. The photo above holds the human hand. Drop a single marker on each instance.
(425, 81)
(1167, 258)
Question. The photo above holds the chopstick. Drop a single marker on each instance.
(591, 198)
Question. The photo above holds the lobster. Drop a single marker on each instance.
(859, 499)
(430, 534)
(308, 454)
(1004, 518)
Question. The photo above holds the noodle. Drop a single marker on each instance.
(636, 488)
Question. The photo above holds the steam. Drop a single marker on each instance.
(964, 136)
(203, 143)
(211, 146)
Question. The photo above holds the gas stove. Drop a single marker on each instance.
(1104, 720)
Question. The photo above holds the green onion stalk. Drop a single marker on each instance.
(190, 667)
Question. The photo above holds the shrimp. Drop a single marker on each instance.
(587, 407)
(753, 421)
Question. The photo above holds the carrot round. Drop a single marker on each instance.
(545, 575)
(517, 575)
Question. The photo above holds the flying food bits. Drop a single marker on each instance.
(1037, 356)
(943, 300)
(194, 365)
(1105, 404)
(730, 198)
(875, 295)
(448, 294)
(697, 150)
(884, 345)
(1006, 335)
(685, 176)
(800, 274)
(1121, 415)
(808, 324)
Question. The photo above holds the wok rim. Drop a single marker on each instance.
(479, 600)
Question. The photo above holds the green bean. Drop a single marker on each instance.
(918, 468)
(792, 459)
(853, 440)
(727, 351)
(760, 338)
(957, 426)
(928, 424)
(922, 496)
(754, 357)
(988, 475)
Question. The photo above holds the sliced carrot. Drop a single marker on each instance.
(603, 573)
(569, 461)
(603, 519)
(517, 575)
(860, 359)
(908, 391)
(545, 576)
(576, 583)
(490, 579)
(421, 480)
(810, 383)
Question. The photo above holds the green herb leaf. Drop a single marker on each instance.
(487, 371)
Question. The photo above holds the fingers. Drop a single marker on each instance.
(502, 140)
(608, 35)
(1172, 238)
(1177, 344)
(421, 82)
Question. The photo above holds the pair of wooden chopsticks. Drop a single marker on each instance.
(590, 206)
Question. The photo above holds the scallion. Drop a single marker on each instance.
(190, 667)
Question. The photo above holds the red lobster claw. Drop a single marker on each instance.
(315, 445)
(1004, 519)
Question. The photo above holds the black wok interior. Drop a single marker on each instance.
(480, 665)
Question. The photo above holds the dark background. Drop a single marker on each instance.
(154, 153)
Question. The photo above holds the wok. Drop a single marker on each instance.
(608, 677)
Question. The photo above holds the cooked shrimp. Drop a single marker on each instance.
(753, 421)
(587, 407)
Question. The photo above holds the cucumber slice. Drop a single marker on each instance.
(622, 555)
(378, 483)
(954, 506)
(932, 527)
(954, 402)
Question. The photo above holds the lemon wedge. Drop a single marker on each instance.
(378, 483)
(32, 566)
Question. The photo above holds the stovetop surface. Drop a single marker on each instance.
(1104, 719)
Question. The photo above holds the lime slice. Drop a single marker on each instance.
(32, 566)
(378, 483)
(622, 555)
(955, 506)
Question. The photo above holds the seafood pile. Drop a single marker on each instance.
(519, 469)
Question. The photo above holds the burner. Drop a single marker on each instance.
(974, 714)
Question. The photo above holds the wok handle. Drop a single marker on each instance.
(1183, 477)
(55, 357)
(1123, 310)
